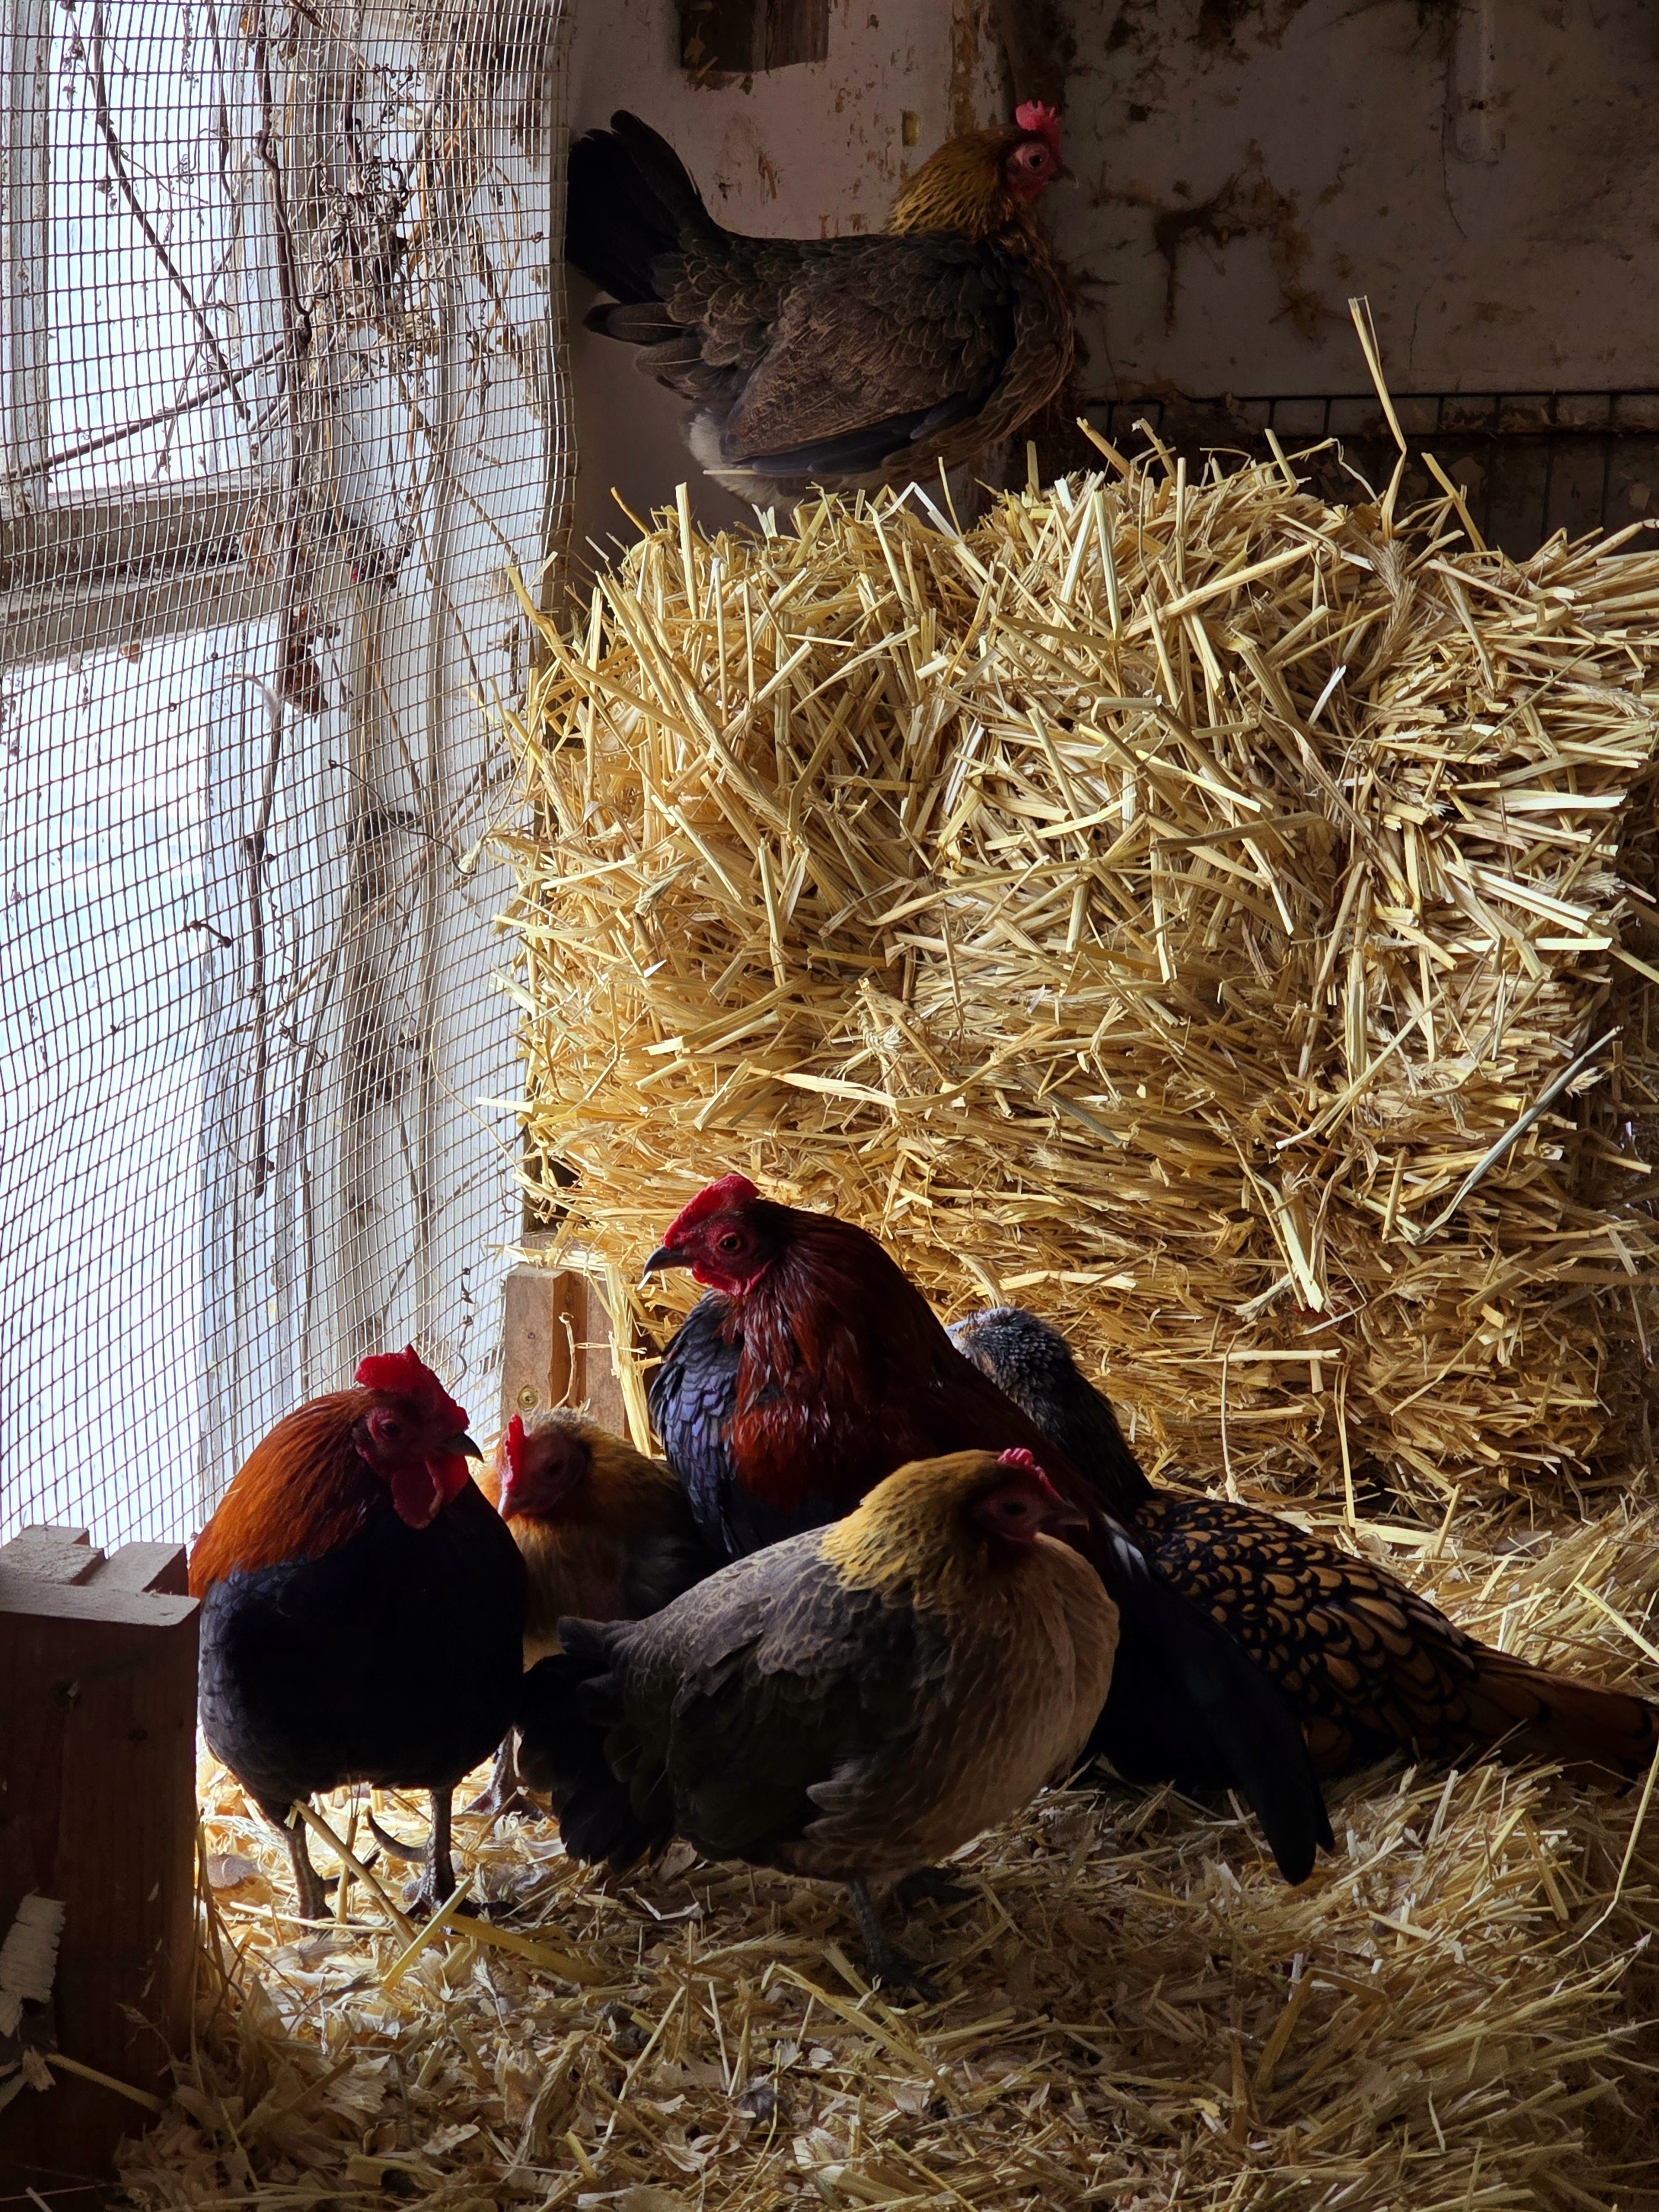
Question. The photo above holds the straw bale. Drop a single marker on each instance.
(1136, 2012)
(1158, 904)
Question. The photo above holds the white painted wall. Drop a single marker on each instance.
(1487, 172)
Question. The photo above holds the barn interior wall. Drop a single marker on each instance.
(1486, 174)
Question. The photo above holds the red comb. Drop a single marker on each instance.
(408, 1374)
(1017, 1456)
(716, 1197)
(1041, 121)
(515, 1444)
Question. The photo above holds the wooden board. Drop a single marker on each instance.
(556, 1348)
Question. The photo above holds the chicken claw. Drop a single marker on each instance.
(887, 1963)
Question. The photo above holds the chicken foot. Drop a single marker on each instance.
(885, 1961)
(505, 1792)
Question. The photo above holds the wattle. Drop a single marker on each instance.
(420, 1490)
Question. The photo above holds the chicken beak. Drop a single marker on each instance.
(662, 1258)
(1066, 1520)
(462, 1447)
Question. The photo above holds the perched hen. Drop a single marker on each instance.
(604, 1533)
(815, 1367)
(1370, 1668)
(843, 363)
(853, 1703)
(363, 1615)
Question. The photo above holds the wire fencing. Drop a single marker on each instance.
(282, 413)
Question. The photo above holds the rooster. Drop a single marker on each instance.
(843, 363)
(604, 1533)
(853, 1704)
(1370, 1668)
(815, 1367)
(362, 1610)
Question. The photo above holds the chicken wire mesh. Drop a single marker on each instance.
(281, 411)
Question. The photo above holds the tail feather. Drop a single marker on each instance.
(1592, 1732)
(1188, 1699)
(567, 1707)
(630, 200)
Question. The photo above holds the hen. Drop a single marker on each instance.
(844, 362)
(853, 1704)
(604, 1533)
(362, 1613)
(1370, 1668)
(815, 1367)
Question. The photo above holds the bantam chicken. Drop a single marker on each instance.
(1371, 1668)
(854, 1704)
(362, 1610)
(843, 363)
(604, 1533)
(815, 1366)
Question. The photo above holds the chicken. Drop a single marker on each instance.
(362, 1610)
(853, 1704)
(1371, 1668)
(604, 1533)
(844, 362)
(815, 1367)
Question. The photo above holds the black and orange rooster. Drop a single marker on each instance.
(815, 1367)
(605, 1534)
(853, 1704)
(362, 1613)
(1370, 1668)
(842, 362)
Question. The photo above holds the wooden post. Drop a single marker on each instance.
(98, 1809)
(556, 1347)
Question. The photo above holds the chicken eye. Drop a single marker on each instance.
(391, 1428)
(731, 1242)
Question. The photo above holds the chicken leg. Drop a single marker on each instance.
(505, 1792)
(309, 1888)
(437, 1882)
(885, 1961)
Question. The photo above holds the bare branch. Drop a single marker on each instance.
(117, 163)
(208, 392)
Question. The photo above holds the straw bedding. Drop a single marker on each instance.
(1158, 905)
(1136, 2011)
(1153, 905)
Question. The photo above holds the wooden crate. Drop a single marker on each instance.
(97, 1808)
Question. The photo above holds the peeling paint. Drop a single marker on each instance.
(1489, 175)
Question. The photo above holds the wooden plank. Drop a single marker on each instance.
(98, 1808)
(161, 1569)
(52, 1555)
(556, 1347)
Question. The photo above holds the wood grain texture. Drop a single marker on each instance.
(98, 1808)
(556, 1348)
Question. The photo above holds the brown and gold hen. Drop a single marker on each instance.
(842, 362)
(853, 1703)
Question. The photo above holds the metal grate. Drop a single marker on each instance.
(282, 410)
(1532, 463)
